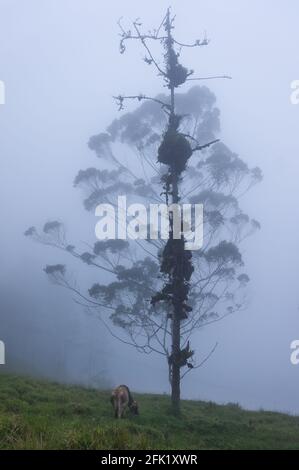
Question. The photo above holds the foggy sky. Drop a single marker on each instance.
(61, 66)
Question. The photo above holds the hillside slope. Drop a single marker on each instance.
(44, 415)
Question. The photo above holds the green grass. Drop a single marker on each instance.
(43, 415)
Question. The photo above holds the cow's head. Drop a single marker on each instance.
(134, 408)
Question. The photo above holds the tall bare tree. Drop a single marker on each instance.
(157, 293)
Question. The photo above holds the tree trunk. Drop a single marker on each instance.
(176, 279)
(176, 325)
(175, 376)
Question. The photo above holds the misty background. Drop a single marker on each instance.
(61, 66)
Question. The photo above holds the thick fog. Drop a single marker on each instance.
(61, 66)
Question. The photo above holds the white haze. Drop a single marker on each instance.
(61, 67)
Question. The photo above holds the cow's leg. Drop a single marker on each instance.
(124, 407)
(119, 408)
(114, 406)
(115, 412)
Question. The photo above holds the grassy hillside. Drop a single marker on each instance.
(43, 415)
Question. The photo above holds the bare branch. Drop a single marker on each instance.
(120, 100)
(197, 43)
(209, 78)
(202, 362)
(201, 147)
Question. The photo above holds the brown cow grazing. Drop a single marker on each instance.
(121, 398)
